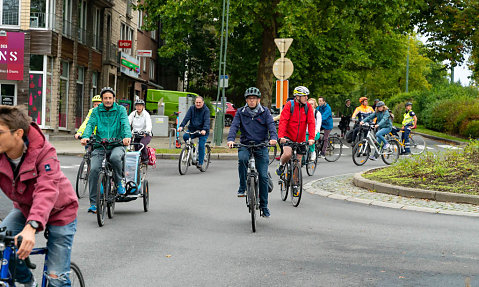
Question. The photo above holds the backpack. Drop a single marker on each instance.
(151, 156)
(305, 108)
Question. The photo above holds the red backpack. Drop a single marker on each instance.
(151, 156)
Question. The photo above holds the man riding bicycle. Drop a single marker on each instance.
(297, 115)
(199, 118)
(256, 125)
(140, 121)
(111, 122)
(327, 122)
(43, 198)
(96, 101)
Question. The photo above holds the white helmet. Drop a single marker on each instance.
(301, 91)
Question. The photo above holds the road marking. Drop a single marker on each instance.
(428, 147)
(70, 166)
(447, 146)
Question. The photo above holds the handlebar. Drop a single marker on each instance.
(192, 133)
(292, 143)
(253, 145)
(8, 239)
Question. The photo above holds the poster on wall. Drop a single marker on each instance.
(35, 97)
(7, 100)
(11, 56)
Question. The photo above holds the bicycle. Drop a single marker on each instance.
(363, 148)
(292, 176)
(334, 150)
(83, 173)
(189, 155)
(252, 182)
(8, 249)
(417, 144)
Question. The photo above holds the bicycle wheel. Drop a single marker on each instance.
(284, 182)
(296, 184)
(361, 151)
(76, 277)
(82, 178)
(252, 201)
(392, 154)
(111, 199)
(334, 149)
(417, 143)
(183, 161)
(146, 196)
(311, 164)
(102, 189)
(206, 160)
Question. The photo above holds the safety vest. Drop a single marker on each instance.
(408, 119)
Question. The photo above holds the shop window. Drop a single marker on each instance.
(10, 12)
(36, 63)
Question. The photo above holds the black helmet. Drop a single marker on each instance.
(139, 102)
(252, 92)
(107, 89)
(408, 104)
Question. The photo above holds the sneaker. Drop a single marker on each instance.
(295, 191)
(372, 157)
(386, 147)
(32, 283)
(266, 212)
(92, 209)
(198, 166)
(241, 193)
(322, 155)
(313, 156)
(280, 170)
(121, 189)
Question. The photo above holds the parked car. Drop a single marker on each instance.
(230, 112)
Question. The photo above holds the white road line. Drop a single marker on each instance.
(70, 166)
(447, 146)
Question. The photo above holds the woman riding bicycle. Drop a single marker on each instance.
(383, 123)
(140, 122)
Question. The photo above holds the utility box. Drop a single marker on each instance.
(159, 125)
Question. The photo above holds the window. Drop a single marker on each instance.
(94, 86)
(63, 100)
(126, 33)
(79, 97)
(67, 18)
(144, 64)
(153, 34)
(82, 14)
(140, 19)
(138, 58)
(97, 29)
(10, 12)
(38, 14)
(152, 69)
(36, 63)
(39, 89)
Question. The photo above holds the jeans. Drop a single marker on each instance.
(145, 141)
(116, 160)
(201, 145)
(261, 160)
(59, 244)
(405, 138)
(381, 133)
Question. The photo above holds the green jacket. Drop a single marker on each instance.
(111, 124)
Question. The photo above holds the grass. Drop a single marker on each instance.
(454, 171)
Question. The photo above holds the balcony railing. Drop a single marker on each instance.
(38, 20)
(97, 42)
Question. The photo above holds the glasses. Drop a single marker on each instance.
(10, 130)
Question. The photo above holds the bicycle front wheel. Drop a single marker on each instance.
(206, 160)
(334, 149)
(183, 161)
(146, 196)
(417, 144)
(391, 155)
(252, 201)
(111, 199)
(82, 178)
(361, 151)
(284, 182)
(311, 164)
(102, 189)
(296, 184)
(76, 277)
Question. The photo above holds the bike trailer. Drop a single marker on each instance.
(131, 168)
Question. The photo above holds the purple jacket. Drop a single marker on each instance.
(41, 190)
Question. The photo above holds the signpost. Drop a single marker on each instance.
(144, 53)
(282, 68)
(223, 81)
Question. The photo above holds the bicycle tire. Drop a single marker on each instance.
(101, 198)
(392, 155)
(417, 144)
(251, 202)
(146, 196)
(284, 182)
(184, 160)
(206, 160)
(76, 277)
(361, 151)
(311, 165)
(82, 179)
(111, 199)
(334, 149)
(298, 183)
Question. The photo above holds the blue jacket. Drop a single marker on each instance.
(383, 120)
(327, 116)
(199, 119)
(259, 129)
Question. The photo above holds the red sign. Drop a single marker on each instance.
(124, 44)
(11, 56)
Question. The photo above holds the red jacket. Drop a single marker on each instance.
(41, 190)
(294, 126)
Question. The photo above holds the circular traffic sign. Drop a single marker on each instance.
(283, 68)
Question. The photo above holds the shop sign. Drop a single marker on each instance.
(124, 44)
(129, 65)
(11, 56)
(7, 100)
(144, 53)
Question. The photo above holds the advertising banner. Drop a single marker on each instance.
(129, 65)
(11, 56)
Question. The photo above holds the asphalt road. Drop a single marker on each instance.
(198, 233)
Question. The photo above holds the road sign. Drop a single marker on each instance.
(144, 53)
(223, 81)
(283, 44)
(283, 68)
(281, 100)
(124, 44)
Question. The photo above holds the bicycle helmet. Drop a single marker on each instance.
(252, 92)
(139, 102)
(96, 98)
(408, 104)
(347, 100)
(380, 104)
(361, 99)
(107, 89)
(301, 91)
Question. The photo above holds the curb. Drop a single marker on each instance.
(360, 181)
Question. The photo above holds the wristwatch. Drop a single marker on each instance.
(34, 224)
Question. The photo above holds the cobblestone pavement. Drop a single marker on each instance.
(342, 187)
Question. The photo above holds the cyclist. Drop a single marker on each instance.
(345, 114)
(140, 121)
(362, 112)
(409, 122)
(256, 124)
(111, 122)
(96, 101)
(383, 123)
(376, 101)
(199, 118)
(297, 115)
(43, 198)
(327, 122)
(318, 120)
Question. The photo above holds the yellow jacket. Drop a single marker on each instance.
(81, 129)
